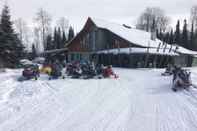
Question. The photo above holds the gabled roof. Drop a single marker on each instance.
(138, 37)
(135, 36)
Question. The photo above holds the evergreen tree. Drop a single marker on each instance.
(11, 46)
(153, 27)
(55, 39)
(33, 51)
(171, 39)
(63, 39)
(161, 35)
(49, 43)
(71, 34)
(185, 42)
(167, 38)
(193, 47)
(6, 24)
(177, 33)
(157, 33)
(195, 41)
(59, 38)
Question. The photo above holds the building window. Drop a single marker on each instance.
(72, 57)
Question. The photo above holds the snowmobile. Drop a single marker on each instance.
(181, 80)
(30, 72)
(46, 69)
(77, 73)
(109, 73)
(56, 71)
(88, 71)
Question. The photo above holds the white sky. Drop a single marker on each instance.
(120, 11)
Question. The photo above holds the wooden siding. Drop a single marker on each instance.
(92, 38)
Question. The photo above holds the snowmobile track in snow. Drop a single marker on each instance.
(140, 100)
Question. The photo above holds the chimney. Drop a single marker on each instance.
(126, 26)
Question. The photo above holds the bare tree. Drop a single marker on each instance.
(145, 21)
(63, 23)
(37, 39)
(43, 21)
(194, 16)
(23, 31)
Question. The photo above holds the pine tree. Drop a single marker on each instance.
(177, 33)
(49, 43)
(195, 40)
(6, 24)
(12, 46)
(59, 38)
(71, 34)
(171, 39)
(33, 52)
(185, 42)
(161, 35)
(63, 39)
(55, 39)
(157, 33)
(167, 38)
(192, 38)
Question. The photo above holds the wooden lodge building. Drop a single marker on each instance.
(123, 46)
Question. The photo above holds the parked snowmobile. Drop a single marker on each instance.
(46, 69)
(181, 79)
(30, 72)
(88, 71)
(108, 72)
(77, 73)
(56, 71)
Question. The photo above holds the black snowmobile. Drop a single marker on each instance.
(88, 71)
(30, 72)
(181, 79)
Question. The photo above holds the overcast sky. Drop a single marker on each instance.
(120, 11)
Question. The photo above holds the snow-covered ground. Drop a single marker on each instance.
(140, 100)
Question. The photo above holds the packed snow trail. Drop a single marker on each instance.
(140, 100)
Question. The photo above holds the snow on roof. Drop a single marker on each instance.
(185, 51)
(139, 37)
(55, 51)
(135, 36)
(139, 51)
